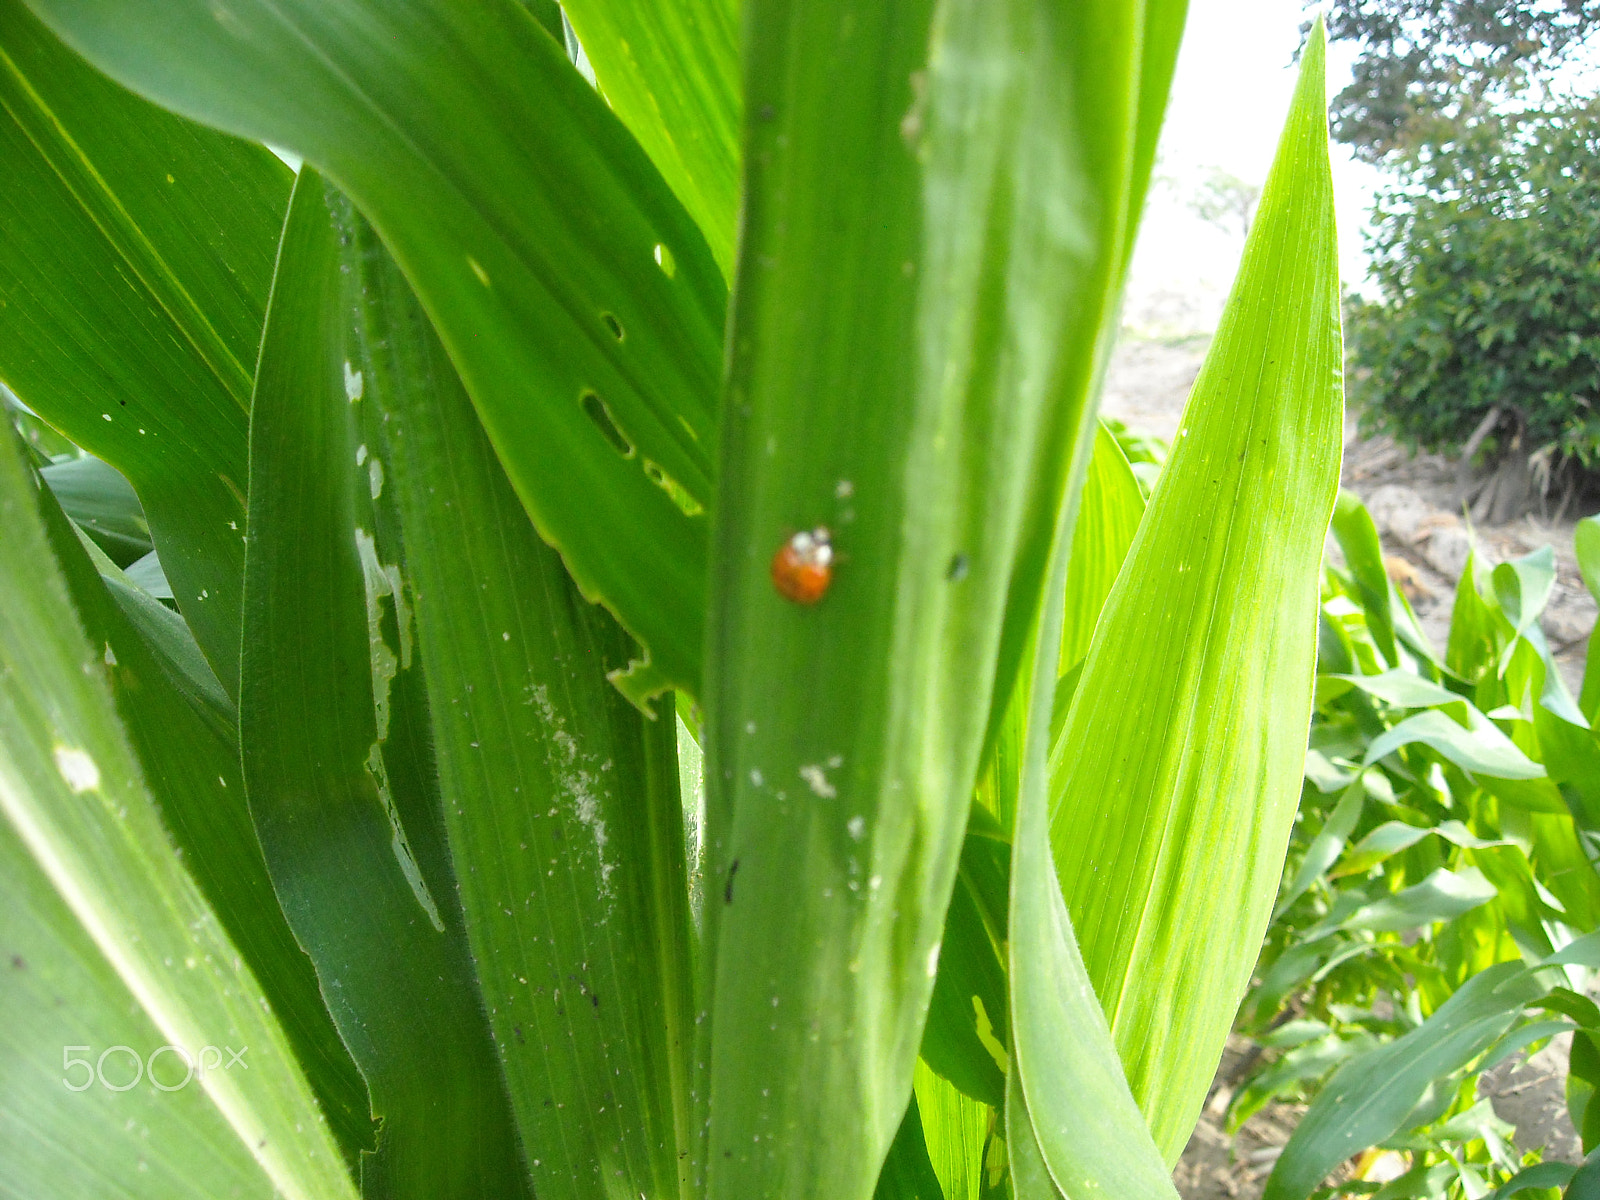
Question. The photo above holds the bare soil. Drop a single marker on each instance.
(1416, 503)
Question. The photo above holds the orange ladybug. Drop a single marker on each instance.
(802, 568)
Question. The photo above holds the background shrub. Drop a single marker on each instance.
(1485, 251)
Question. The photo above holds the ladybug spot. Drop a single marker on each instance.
(601, 416)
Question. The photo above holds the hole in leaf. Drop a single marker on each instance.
(664, 260)
(612, 324)
(601, 416)
(685, 502)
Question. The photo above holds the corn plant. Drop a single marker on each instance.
(666, 690)
(1440, 900)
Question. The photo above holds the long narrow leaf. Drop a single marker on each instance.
(670, 68)
(1073, 1126)
(907, 1172)
(134, 271)
(1183, 752)
(957, 1131)
(1108, 516)
(189, 755)
(560, 799)
(576, 297)
(103, 504)
(125, 945)
(934, 230)
(1369, 1097)
(336, 753)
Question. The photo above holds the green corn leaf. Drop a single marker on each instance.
(907, 1171)
(1388, 613)
(1476, 623)
(1113, 49)
(1520, 1039)
(336, 752)
(1002, 770)
(670, 69)
(1073, 1126)
(1533, 672)
(1567, 870)
(1584, 951)
(965, 1037)
(1363, 554)
(1403, 689)
(1305, 1063)
(576, 297)
(134, 273)
(66, 1013)
(560, 799)
(1030, 1177)
(170, 643)
(188, 752)
(935, 223)
(1329, 842)
(147, 575)
(44, 445)
(1369, 1098)
(1183, 751)
(1392, 837)
(109, 941)
(102, 502)
(1523, 587)
(1290, 971)
(1482, 749)
(1586, 547)
(957, 1131)
(1442, 896)
(1539, 1177)
(1108, 517)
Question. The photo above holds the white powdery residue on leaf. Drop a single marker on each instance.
(817, 780)
(575, 777)
(353, 384)
(77, 768)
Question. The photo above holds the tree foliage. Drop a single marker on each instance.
(1485, 250)
(1427, 64)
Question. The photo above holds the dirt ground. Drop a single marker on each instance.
(1416, 504)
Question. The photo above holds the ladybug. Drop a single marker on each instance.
(802, 568)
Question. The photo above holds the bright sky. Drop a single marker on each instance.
(1235, 77)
